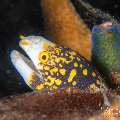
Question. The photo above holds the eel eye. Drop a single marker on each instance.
(43, 57)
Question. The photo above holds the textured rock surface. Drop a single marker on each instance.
(92, 14)
(63, 106)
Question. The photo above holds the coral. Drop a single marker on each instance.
(63, 25)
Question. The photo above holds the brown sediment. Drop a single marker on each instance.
(63, 25)
(60, 106)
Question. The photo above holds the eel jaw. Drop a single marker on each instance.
(24, 66)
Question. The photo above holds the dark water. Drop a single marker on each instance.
(24, 17)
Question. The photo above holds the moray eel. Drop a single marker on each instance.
(54, 67)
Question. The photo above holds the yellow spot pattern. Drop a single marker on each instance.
(62, 71)
(54, 87)
(72, 75)
(72, 53)
(75, 64)
(57, 60)
(25, 42)
(81, 66)
(62, 59)
(52, 63)
(51, 81)
(71, 57)
(60, 65)
(78, 59)
(74, 83)
(85, 72)
(58, 52)
(58, 82)
(39, 87)
(54, 70)
(66, 54)
(21, 36)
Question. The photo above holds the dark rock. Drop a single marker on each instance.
(16, 18)
(92, 14)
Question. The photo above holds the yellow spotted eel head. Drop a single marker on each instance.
(35, 48)
(51, 67)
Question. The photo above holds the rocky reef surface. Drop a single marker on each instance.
(60, 106)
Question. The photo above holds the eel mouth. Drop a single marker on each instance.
(23, 64)
(15, 56)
